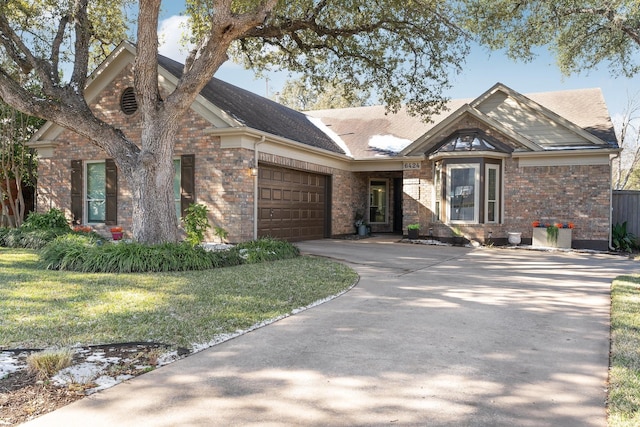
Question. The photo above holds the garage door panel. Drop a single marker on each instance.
(292, 204)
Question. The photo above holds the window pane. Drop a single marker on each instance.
(493, 174)
(492, 191)
(378, 201)
(463, 190)
(96, 181)
(96, 211)
(96, 185)
(491, 212)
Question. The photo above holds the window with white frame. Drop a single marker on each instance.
(95, 192)
(470, 197)
(462, 193)
(492, 193)
(379, 201)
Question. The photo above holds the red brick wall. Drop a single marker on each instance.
(222, 178)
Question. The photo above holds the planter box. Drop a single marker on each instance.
(414, 233)
(540, 238)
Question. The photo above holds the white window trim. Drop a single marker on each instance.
(85, 187)
(386, 207)
(496, 167)
(476, 195)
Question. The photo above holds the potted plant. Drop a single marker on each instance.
(458, 236)
(414, 231)
(360, 224)
(116, 233)
(552, 234)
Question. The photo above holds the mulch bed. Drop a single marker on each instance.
(23, 397)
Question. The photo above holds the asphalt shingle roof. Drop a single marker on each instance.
(257, 112)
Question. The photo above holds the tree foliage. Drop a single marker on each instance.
(300, 95)
(627, 165)
(582, 34)
(17, 161)
(402, 49)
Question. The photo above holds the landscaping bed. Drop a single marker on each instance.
(185, 311)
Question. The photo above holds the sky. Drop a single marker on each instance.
(482, 69)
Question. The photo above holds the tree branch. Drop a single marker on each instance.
(82, 28)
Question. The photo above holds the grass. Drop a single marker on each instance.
(43, 308)
(624, 375)
(46, 364)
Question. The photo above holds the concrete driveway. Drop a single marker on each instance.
(430, 336)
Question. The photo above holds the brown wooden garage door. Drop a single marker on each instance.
(292, 205)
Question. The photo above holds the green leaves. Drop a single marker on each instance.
(196, 223)
(402, 50)
(581, 34)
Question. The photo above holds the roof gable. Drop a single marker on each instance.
(220, 103)
(533, 120)
(524, 121)
(443, 129)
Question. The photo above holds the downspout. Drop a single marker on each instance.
(611, 248)
(255, 188)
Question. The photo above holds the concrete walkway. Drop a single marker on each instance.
(431, 336)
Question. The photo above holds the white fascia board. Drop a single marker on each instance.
(382, 165)
(469, 154)
(235, 142)
(565, 158)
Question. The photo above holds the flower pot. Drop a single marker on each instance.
(117, 235)
(414, 233)
(514, 238)
(542, 239)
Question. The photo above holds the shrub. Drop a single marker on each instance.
(29, 238)
(67, 252)
(622, 239)
(43, 221)
(265, 249)
(196, 223)
(80, 252)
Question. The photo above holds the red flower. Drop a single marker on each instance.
(535, 224)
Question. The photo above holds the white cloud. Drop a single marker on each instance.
(170, 37)
(388, 143)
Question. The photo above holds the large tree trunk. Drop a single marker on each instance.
(154, 213)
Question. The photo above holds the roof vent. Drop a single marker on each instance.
(128, 103)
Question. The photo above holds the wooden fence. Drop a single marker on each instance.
(626, 207)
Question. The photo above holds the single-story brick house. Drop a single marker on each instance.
(487, 166)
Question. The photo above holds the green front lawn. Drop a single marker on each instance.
(42, 308)
(624, 376)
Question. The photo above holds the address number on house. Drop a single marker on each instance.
(411, 165)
